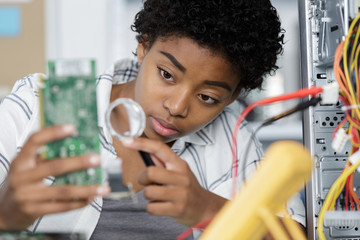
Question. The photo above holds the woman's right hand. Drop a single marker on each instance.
(24, 196)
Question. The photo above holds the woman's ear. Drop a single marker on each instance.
(236, 94)
(141, 51)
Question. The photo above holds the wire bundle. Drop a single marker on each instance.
(346, 69)
(313, 91)
(335, 190)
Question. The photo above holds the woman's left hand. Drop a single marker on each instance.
(172, 188)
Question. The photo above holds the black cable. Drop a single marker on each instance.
(300, 107)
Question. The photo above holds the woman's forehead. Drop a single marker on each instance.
(194, 57)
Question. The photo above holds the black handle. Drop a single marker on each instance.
(146, 158)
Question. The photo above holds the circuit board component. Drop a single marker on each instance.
(68, 96)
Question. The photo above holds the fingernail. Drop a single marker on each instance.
(128, 141)
(103, 190)
(68, 128)
(94, 160)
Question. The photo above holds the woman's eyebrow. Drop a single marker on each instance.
(183, 69)
(174, 61)
(219, 84)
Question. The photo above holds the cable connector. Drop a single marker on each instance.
(330, 94)
(340, 140)
(341, 218)
(355, 157)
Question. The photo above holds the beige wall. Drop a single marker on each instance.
(25, 53)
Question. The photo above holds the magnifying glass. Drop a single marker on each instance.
(125, 118)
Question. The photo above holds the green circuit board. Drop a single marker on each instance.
(68, 96)
(40, 236)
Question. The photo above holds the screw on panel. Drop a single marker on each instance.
(316, 161)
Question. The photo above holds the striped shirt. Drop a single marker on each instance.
(207, 151)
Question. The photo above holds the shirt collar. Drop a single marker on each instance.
(121, 72)
(103, 91)
(202, 137)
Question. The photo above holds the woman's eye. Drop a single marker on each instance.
(207, 99)
(167, 76)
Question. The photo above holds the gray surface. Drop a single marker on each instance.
(124, 219)
(282, 130)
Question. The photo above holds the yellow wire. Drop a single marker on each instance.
(339, 190)
(340, 182)
(355, 64)
(337, 194)
(354, 61)
(346, 43)
(355, 41)
(351, 125)
(346, 173)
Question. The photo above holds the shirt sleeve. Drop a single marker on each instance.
(19, 118)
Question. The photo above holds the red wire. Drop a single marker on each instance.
(351, 118)
(351, 197)
(187, 233)
(313, 91)
(347, 194)
(358, 93)
(355, 136)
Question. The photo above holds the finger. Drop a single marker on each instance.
(157, 148)
(159, 208)
(38, 192)
(41, 138)
(162, 193)
(42, 208)
(161, 176)
(60, 166)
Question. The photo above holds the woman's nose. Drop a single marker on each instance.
(177, 104)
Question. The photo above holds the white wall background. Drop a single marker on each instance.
(287, 77)
(98, 29)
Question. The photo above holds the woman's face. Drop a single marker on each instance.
(181, 87)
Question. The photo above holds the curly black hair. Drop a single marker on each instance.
(246, 32)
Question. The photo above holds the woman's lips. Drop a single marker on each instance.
(162, 127)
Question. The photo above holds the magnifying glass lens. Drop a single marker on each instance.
(119, 120)
(125, 118)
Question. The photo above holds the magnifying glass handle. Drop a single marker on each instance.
(146, 158)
